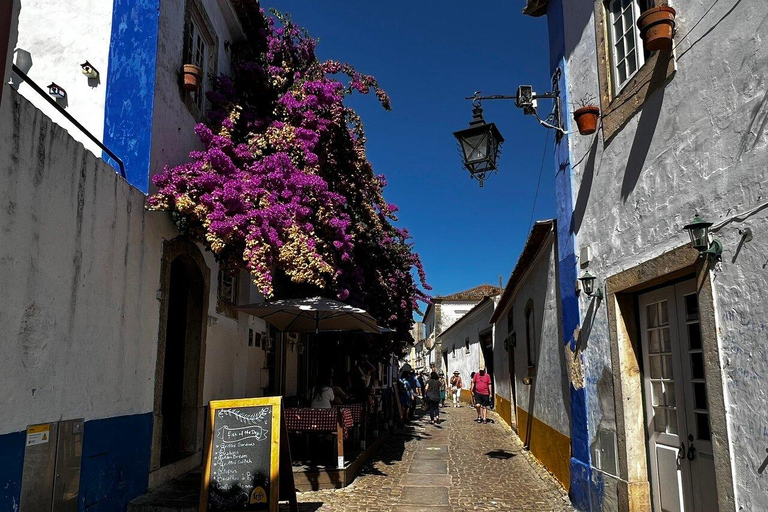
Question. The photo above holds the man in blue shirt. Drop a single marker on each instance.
(405, 393)
(415, 391)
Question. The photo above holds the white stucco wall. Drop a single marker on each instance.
(551, 402)
(451, 311)
(60, 36)
(78, 312)
(80, 272)
(468, 327)
(699, 144)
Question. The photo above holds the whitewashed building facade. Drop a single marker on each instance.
(468, 344)
(114, 329)
(668, 394)
(443, 312)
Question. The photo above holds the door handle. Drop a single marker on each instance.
(691, 449)
(681, 452)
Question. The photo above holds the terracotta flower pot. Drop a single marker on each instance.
(657, 25)
(192, 76)
(586, 119)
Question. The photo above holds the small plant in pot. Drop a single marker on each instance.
(657, 26)
(586, 115)
(192, 77)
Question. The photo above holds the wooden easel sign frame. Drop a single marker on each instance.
(246, 450)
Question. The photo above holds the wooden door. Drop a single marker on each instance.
(676, 407)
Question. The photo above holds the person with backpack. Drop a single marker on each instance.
(432, 397)
(456, 388)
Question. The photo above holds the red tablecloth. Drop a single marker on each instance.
(356, 410)
(317, 420)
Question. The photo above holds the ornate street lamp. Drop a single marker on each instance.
(698, 229)
(480, 145)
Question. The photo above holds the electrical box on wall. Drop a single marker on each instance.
(585, 255)
(51, 476)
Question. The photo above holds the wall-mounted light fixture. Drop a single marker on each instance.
(698, 229)
(90, 71)
(588, 285)
(57, 92)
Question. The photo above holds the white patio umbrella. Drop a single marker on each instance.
(313, 314)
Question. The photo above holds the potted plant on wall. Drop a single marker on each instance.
(657, 26)
(586, 115)
(192, 77)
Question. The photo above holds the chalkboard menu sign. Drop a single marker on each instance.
(243, 458)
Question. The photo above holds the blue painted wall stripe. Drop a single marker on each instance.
(12, 457)
(115, 463)
(580, 487)
(131, 86)
(114, 467)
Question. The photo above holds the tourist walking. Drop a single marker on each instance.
(432, 397)
(456, 388)
(441, 378)
(405, 394)
(416, 391)
(482, 387)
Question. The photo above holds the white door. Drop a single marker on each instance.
(677, 419)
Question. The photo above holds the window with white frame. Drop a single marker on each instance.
(627, 54)
(199, 49)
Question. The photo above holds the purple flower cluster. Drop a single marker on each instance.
(284, 185)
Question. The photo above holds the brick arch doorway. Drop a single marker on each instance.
(178, 413)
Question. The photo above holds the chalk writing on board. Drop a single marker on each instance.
(236, 435)
(240, 459)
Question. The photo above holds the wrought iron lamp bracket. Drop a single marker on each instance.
(553, 120)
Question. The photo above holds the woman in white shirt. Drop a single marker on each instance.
(322, 394)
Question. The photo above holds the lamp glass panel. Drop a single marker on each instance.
(699, 237)
(476, 147)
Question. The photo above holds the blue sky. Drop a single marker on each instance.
(429, 56)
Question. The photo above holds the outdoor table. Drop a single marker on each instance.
(335, 421)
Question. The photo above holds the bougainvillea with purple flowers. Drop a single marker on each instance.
(284, 187)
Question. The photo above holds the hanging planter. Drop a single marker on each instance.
(657, 25)
(192, 77)
(586, 119)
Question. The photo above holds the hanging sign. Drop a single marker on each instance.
(247, 449)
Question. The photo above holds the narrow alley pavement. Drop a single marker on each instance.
(455, 466)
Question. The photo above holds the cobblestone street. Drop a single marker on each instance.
(456, 466)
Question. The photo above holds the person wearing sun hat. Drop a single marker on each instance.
(455, 383)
